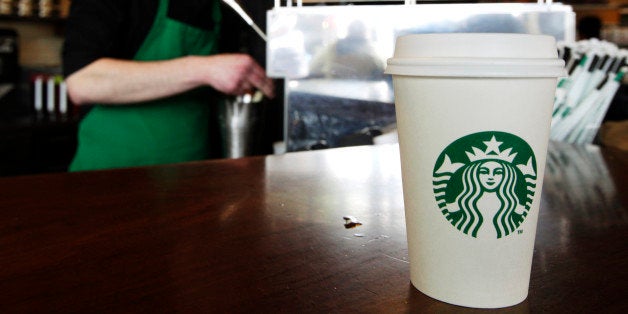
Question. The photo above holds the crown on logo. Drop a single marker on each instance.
(492, 152)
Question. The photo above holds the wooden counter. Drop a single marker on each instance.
(267, 235)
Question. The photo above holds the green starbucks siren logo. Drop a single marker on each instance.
(484, 183)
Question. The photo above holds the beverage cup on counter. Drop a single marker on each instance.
(241, 123)
(473, 117)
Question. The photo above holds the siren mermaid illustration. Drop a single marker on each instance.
(487, 200)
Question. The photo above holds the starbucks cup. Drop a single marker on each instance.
(473, 117)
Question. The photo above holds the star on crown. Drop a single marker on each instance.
(492, 152)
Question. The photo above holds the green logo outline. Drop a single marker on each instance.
(493, 165)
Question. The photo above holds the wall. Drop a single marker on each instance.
(40, 42)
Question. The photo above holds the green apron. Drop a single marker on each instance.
(169, 130)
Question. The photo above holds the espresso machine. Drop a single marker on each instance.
(332, 58)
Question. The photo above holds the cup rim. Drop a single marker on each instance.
(477, 67)
(476, 55)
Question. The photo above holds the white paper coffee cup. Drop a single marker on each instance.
(473, 117)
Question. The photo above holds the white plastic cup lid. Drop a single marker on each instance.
(476, 55)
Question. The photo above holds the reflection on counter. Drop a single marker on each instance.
(569, 176)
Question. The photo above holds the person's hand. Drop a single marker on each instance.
(235, 74)
(116, 81)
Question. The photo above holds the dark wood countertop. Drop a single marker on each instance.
(267, 235)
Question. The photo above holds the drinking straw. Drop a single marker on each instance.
(598, 74)
(561, 108)
(591, 129)
(564, 84)
(577, 90)
(571, 129)
(590, 120)
(595, 69)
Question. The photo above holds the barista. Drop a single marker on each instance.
(149, 67)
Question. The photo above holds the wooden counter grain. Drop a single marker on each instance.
(267, 235)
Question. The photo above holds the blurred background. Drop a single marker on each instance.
(38, 125)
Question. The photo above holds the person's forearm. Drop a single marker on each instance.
(113, 81)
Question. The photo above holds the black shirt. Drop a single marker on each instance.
(117, 28)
